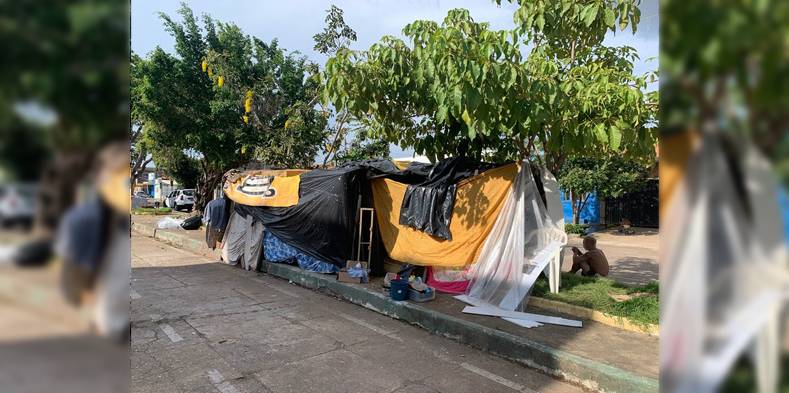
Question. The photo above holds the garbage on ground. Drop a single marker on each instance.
(354, 272)
(7, 254)
(192, 223)
(169, 223)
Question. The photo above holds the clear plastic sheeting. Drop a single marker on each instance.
(523, 240)
(724, 265)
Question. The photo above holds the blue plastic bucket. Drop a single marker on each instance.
(398, 289)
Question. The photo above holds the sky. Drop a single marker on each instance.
(294, 22)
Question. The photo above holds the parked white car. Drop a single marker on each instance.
(181, 199)
(17, 204)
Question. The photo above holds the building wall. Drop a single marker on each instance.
(589, 215)
(162, 188)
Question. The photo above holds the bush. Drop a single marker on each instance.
(576, 229)
(151, 210)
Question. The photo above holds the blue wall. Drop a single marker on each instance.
(590, 214)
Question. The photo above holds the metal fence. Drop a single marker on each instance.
(641, 207)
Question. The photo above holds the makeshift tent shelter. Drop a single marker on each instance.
(497, 219)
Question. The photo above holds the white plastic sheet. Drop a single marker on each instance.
(506, 268)
(169, 223)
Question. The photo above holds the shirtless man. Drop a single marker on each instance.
(592, 262)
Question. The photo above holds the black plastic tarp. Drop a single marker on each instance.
(427, 206)
(321, 225)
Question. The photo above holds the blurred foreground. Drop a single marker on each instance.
(46, 343)
(63, 100)
(723, 171)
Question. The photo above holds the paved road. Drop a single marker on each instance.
(633, 258)
(200, 326)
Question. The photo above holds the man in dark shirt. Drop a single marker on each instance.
(592, 262)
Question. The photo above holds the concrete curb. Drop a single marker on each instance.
(585, 372)
(176, 240)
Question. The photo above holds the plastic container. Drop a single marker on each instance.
(420, 297)
(398, 289)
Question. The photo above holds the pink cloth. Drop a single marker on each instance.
(453, 287)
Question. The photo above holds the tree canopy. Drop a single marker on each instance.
(337, 36)
(724, 68)
(226, 98)
(69, 60)
(609, 177)
(460, 88)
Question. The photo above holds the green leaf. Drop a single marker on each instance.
(590, 14)
(441, 114)
(610, 18)
(457, 102)
(615, 137)
(467, 118)
(540, 22)
(599, 131)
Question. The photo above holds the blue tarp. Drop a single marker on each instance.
(277, 251)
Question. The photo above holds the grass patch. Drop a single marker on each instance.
(596, 293)
(152, 211)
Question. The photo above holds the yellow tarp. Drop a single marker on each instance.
(478, 201)
(401, 165)
(265, 188)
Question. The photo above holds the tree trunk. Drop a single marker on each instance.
(576, 210)
(554, 163)
(205, 189)
(579, 203)
(58, 189)
(139, 164)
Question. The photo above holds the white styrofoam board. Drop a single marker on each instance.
(497, 312)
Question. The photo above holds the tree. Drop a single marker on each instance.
(70, 58)
(225, 98)
(611, 177)
(459, 88)
(361, 148)
(600, 106)
(184, 169)
(23, 149)
(336, 36)
(139, 155)
(724, 70)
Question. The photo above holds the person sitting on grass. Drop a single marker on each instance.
(592, 262)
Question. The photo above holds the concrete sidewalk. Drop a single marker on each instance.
(201, 326)
(597, 356)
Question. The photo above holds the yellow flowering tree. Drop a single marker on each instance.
(223, 98)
